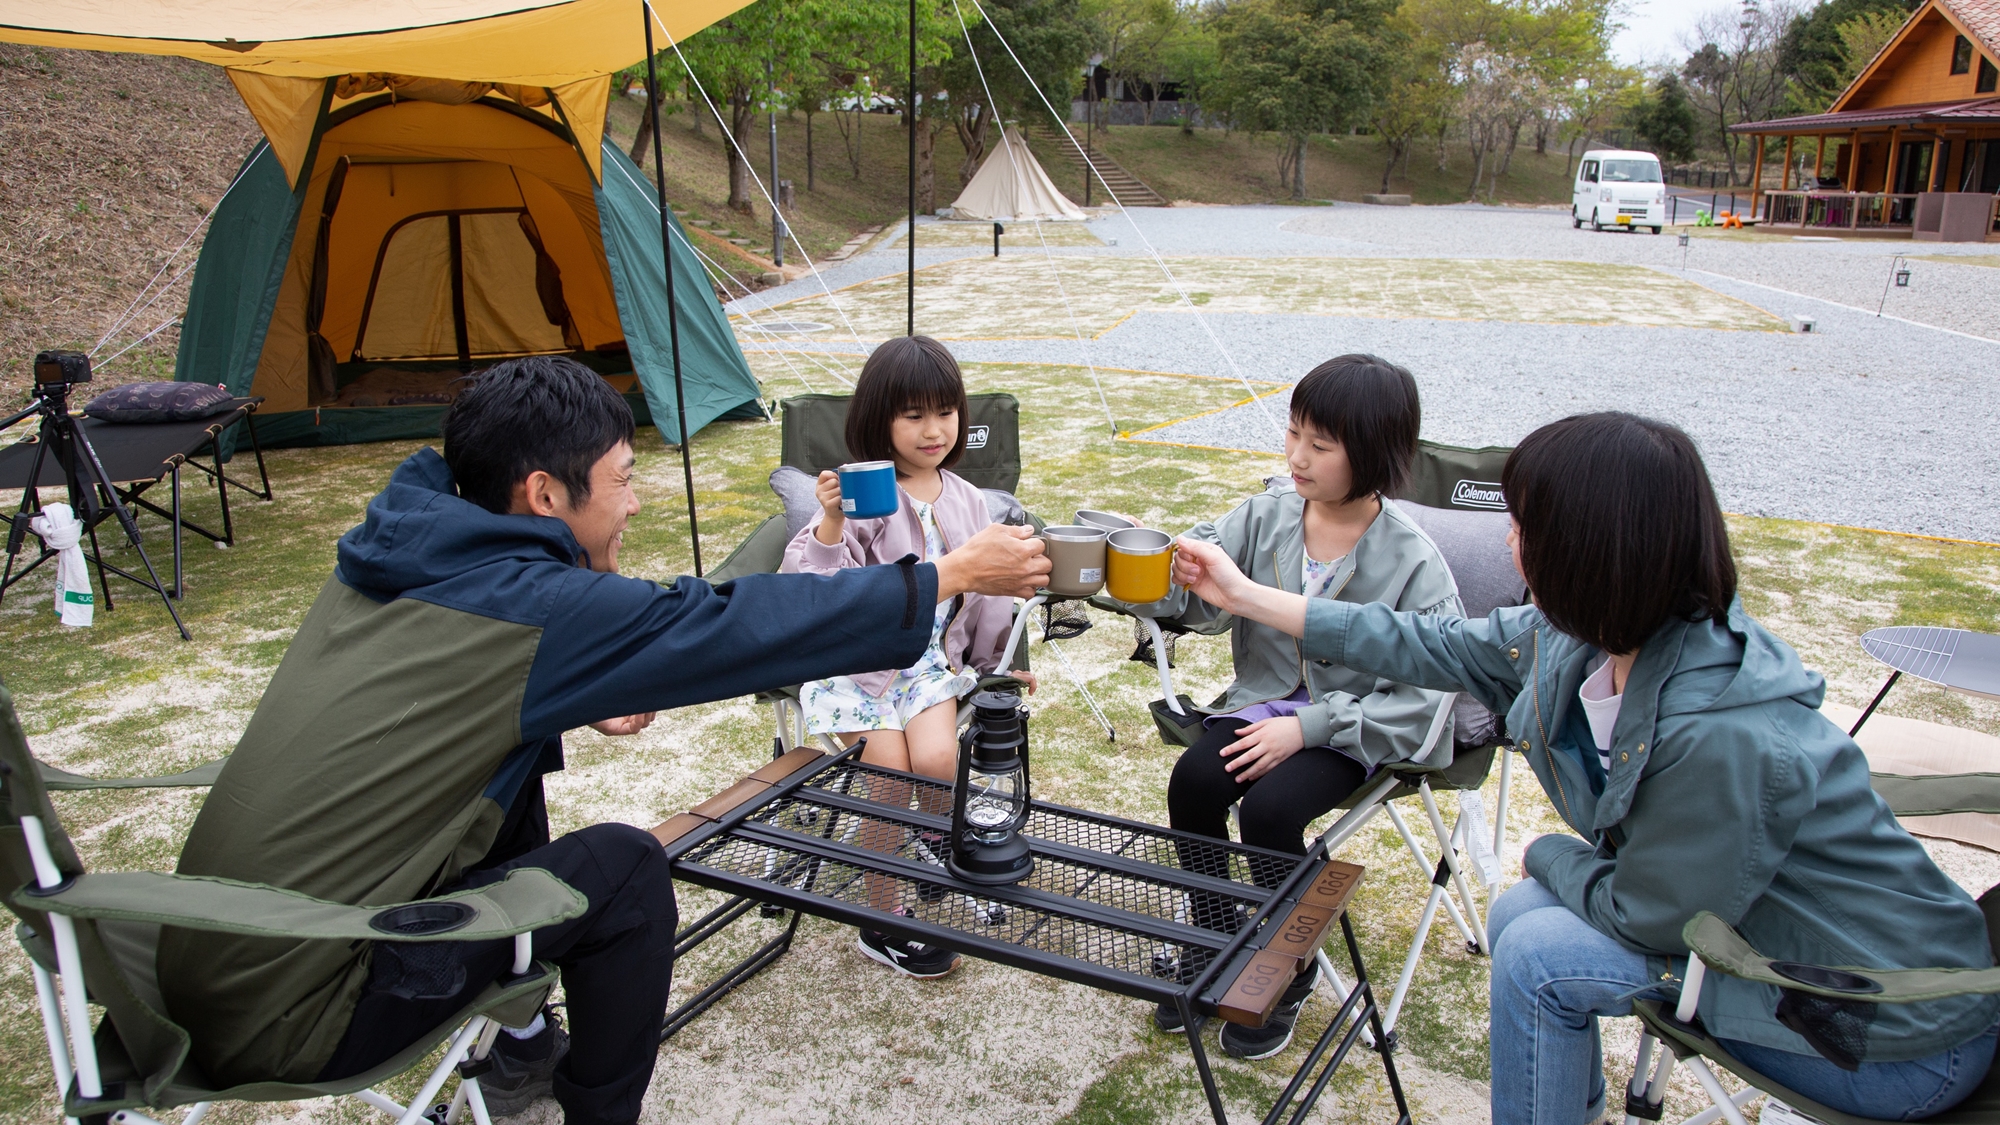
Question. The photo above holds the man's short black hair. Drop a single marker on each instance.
(539, 412)
(1619, 528)
(1370, 407)
(901, 373)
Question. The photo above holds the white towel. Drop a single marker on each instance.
(62, 533)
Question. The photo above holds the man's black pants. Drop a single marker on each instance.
(616, 961)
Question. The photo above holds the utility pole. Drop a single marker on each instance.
(777, 217)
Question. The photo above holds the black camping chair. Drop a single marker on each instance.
(93, 938)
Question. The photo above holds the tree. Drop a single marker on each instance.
(1416, 97)
(1299, 67)
(1815, 59)
(1732, 72)
(1047, 36)
(1664, 119)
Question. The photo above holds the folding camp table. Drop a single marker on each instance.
(1955, 659)
(1107, 904)
(138, 456)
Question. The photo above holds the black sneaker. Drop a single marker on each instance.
(1263, 1042)
(910, 958)
(523, 1069)
(1167, 1017)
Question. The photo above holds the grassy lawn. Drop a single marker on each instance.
(821, 1036)
(1027, 296)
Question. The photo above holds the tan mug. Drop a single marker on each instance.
(1138, 564)
(1105, 520)
(1076, 560)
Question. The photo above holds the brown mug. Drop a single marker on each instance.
(1076, 560)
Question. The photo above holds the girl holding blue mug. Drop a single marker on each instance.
(908, 410)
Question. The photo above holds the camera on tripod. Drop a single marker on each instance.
(62, 367)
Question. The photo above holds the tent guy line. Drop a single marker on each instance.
(134, 309)
(750, 166)
(1007, 147)
(1123, 210)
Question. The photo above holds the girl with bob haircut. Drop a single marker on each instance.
(1683, 745)
(1290, 739)
(908, 408)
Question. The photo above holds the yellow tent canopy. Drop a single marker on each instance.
(551, 56)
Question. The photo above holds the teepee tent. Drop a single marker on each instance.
(434, 193)
(1011, 186)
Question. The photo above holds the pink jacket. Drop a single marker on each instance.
(978, 634)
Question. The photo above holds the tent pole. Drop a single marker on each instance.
(667, 260)
(910, 99)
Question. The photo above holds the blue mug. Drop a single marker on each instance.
(868, 490)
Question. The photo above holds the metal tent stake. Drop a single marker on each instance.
(667, 261)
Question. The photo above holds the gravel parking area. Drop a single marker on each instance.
(1872, 422)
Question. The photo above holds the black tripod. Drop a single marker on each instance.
(91, 494)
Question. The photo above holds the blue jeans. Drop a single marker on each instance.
(1554, 974)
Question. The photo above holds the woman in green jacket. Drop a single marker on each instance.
(1683, 744)
(1291, 737)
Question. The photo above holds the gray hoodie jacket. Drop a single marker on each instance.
(1367, 717)
(1728, 791)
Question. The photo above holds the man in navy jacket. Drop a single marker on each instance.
(474, 616)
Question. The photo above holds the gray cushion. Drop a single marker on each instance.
(1474, 545)
(795, 489)
(158, 402)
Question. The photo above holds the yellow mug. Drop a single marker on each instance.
(1138, 564)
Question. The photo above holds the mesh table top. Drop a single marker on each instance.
(1117, 904)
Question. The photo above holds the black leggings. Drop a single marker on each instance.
(1272, 811)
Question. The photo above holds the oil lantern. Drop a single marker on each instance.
(990, 801)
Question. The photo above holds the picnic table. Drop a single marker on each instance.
(1215, 928)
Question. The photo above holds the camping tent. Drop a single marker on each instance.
(1011, 185)
(424, 235)
(489, 113)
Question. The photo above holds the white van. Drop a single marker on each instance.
(1616, 188)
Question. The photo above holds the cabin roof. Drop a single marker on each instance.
(1978, 110)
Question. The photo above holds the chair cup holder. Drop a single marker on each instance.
(421, 919)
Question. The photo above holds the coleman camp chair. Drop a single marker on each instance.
(1719, 948)
(92, 938)
(1454, 495)
(815, 440)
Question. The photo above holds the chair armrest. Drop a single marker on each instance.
(55, 779)
(527, 899)
(1722, 949)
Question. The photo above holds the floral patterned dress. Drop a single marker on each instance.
(839, 705)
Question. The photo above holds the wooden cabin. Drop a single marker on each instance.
(1910, 148)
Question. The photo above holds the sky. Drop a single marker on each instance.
(1653, 28)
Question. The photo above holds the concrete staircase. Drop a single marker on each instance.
(1130, 189)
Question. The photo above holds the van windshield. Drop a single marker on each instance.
(1631, 171)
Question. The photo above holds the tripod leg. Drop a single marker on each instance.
(103, 579)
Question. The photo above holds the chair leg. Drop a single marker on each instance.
(1457, 873)
(1649, 1077)
(1339, 988)
(196, 1112)
(461, 1043)
(1740, 1099)
(1427, 872)
(45, 991)
(1395, 1005)
(1500, 811)
(1724, 1104)
(387, 1105)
